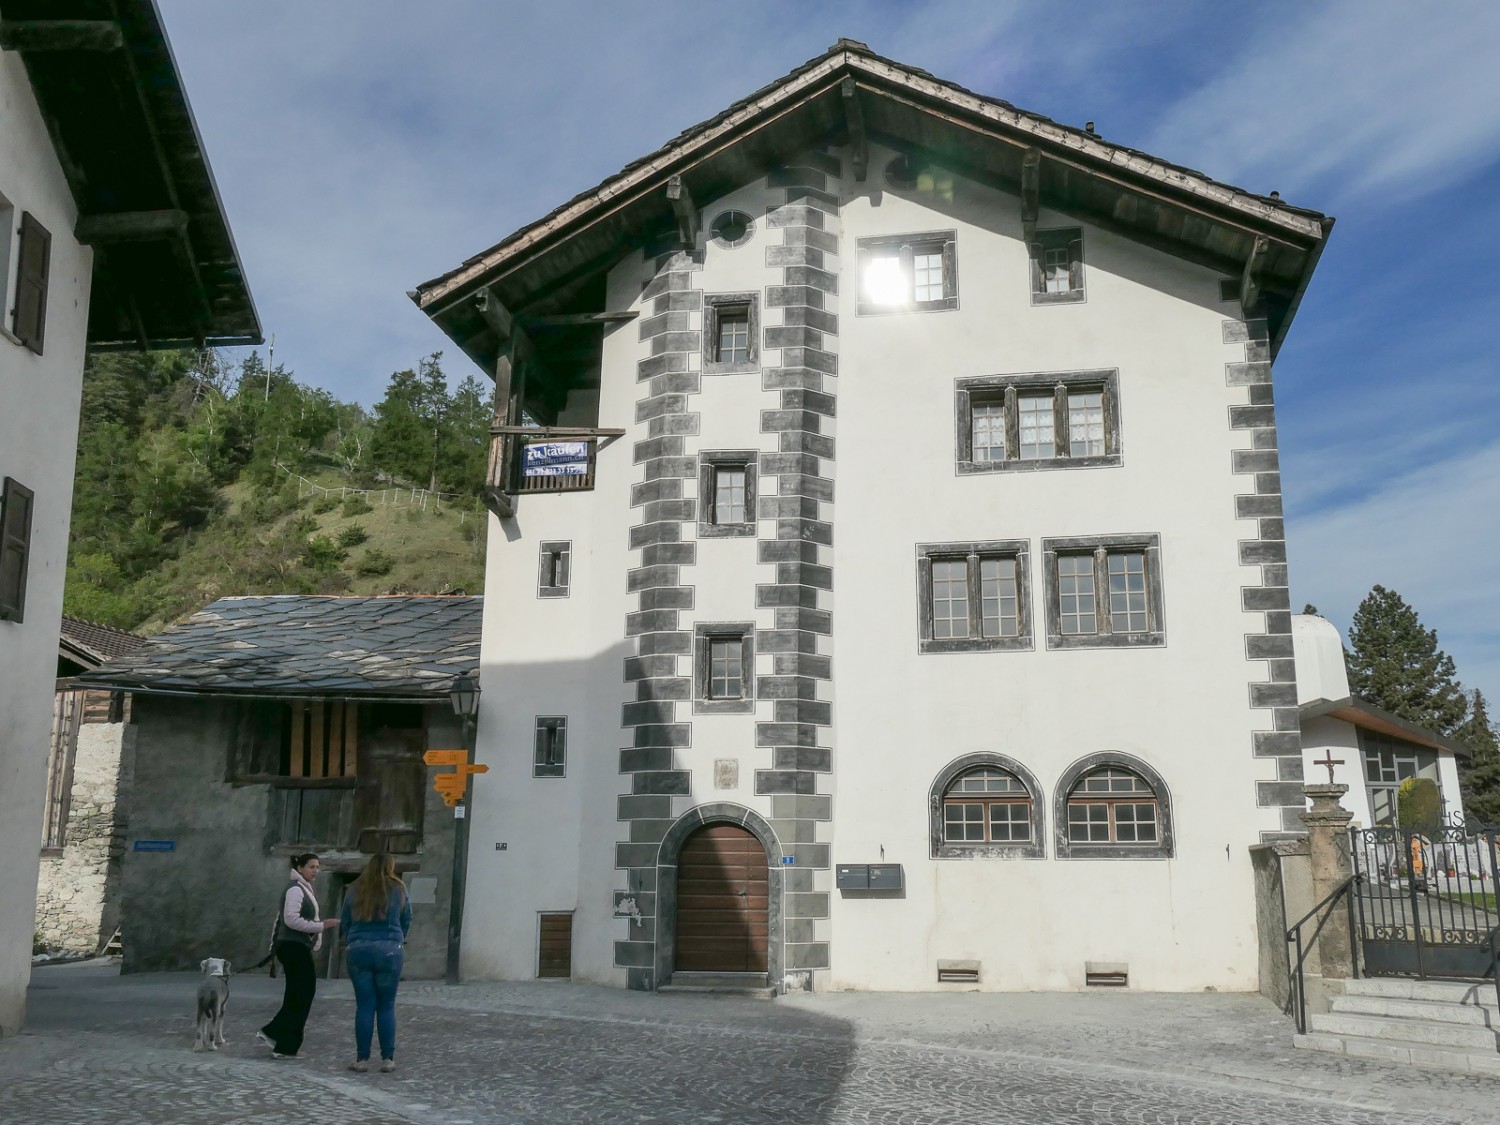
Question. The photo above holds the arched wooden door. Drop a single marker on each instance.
(723, 894)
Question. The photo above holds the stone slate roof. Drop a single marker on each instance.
(92, 643)
(308, 646)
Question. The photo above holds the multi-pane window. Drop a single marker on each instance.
(1055, 270)
(973, 596)
(1036, 415)
(726, 670)
(734, 335)
(1388, 762)
(550, 751)
(1085, 423)
(724, 667)
(988, 429)
(1111, 805)
(987, 805)
(729, 494)
(1127, 592)
(1057, 267)
(1075, 590)
(554, 570)
(908, 272)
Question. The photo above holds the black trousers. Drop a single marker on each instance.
(285, 1028)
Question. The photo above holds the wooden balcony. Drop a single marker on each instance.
(510, 474)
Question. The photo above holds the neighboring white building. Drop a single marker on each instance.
(111, 235)
(1372, 750)
(897, 598)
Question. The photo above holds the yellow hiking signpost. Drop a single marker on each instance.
(451, 786)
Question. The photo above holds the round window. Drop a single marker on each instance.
(732, 228)
(901, 173)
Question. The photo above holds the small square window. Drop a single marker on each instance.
(724, 672)
(554, 570)
(909, 272)
(972, 597)
(550, 756)
(1104, 592)
(734, 336)
(726, 493)
(1047, 420)
(1057, 267)
(731, 327)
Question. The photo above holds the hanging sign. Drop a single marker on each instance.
(451, 786)
(555, 459)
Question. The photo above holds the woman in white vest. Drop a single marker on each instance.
(299, 934)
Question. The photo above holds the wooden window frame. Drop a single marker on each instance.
(1060, 238)
(709, 462)
(715, 305)
(550, 761)
(1101, 547)
(62, 756)
(33, 270)
(17, 515)
(1017, 550)
(704, 634)
(1007, 390)
(561, 549)
(944, 242)
(940, 847)
(1066, 848)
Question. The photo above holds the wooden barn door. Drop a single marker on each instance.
(722, 899)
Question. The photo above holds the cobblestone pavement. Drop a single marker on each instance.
(104, 1048)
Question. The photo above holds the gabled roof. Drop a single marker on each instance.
(304, 646)
(1367, 716)
(166, 271)
(91, 644)
(847, 89)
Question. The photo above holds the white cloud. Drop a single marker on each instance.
(1353, 96)
(1432, 535)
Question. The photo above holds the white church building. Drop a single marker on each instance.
(887, 584)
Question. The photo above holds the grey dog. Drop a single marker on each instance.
(213, 998)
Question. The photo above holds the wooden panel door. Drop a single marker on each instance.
(555, 945)
(723, 893)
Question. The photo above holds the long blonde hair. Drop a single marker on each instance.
(372, 890)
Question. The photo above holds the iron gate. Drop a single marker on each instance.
(1426, 901)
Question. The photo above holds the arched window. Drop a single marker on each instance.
(1112, 806)
(985, 805)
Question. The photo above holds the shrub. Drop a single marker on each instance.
(413, 514)
(324, 554)
(356, 506)
(374, 563)
(1419, 805)
(325, 504)
(353, 535)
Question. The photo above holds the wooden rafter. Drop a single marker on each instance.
(1251, 287)
(1031, 185)
(570, 320)
(854, 121)
(131, 226)
(684, 209)
(60, 35)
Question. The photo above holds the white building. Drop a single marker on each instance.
(111, 235)
(1370, 750)
(914, 609)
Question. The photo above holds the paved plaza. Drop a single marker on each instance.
(101, 1048)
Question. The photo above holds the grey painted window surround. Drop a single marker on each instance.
(1049, 249)
(716, 305)
(1100, 548)
(554, 569)
(973, 554)
(940, 848)
(1063, 848)
(709, 462)
(550, 754)
(906, 250)
(1008, 390)
(705, 633)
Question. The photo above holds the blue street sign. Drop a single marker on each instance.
(788, 860)
(156, 845)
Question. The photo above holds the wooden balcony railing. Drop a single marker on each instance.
(509, 475)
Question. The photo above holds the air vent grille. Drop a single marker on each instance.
(958, 972)
(1106, 974)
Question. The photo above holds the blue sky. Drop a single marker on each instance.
(362, 146)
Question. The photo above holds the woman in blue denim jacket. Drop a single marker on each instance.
(376, 918)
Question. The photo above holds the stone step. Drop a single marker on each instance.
(1395, 1008)
(1426, 1032)
(730, 984)
(1476, 993)
(1398, 1051)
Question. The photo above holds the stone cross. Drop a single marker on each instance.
(1330, 761)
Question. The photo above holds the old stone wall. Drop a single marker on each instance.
(78, 889)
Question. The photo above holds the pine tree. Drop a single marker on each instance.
(1479, 779)
(1396, 664)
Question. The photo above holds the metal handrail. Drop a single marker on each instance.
(1294, 933)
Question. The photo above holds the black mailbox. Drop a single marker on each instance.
(885, 877)
(853, 876)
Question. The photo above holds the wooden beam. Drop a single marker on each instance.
(494, 314)
(130, 226)
(60, 35)
(1251, 287)
(854, 121)
(569, 320)
(1031, 192)
(686, 212)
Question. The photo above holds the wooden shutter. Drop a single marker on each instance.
(1075, 264)
(31, 283)
(1037, 255)
(15, 548)
(950, 270)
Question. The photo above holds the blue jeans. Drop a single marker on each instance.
(375, 970)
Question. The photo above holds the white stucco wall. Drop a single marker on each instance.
(1185, 922)
(38, 440)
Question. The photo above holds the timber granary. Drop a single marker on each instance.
(887, 583)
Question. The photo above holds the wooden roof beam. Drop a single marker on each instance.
(494, 314)
(1251, 286)
(569, 320)
(131, 226)
(685, 210)
(60, 35)
(1031, 192)
(854, 121)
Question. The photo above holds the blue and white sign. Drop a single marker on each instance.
(788, 860)
(156, 845)
(555, 459)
